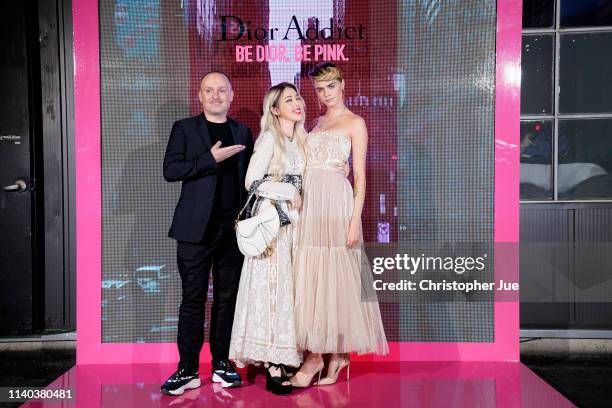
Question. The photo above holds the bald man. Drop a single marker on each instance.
(209, 154)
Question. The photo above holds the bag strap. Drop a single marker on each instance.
(245, 206)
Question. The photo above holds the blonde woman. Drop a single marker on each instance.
(263, 329)
(333, 313)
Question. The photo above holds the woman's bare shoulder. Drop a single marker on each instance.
(354, 122)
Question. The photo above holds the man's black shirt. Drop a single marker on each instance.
(226, 193)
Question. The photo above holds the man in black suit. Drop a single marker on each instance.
(209, 154)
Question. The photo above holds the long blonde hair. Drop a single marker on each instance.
(270, 123)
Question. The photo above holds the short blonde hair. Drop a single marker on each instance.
(325, 71)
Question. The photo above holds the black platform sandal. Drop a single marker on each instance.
(275, 384)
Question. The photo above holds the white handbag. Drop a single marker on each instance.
(255, 235)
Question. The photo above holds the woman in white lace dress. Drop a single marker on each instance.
(264, 329)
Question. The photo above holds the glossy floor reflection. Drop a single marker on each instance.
(431, 384)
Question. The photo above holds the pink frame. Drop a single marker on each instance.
(90, 349)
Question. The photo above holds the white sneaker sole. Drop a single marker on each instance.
(195, 383)
(224, 384)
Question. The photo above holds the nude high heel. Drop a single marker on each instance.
(332, 377)
(302, 380)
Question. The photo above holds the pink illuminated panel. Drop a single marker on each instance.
(381, 221)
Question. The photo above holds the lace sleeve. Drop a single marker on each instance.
(260, 160)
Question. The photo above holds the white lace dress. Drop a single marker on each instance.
(264, 328)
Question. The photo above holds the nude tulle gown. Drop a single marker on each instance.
(331, 315)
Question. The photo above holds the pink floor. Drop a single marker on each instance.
(407, 384)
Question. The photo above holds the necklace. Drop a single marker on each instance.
(288, 137)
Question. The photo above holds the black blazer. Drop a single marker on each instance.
(188, 159)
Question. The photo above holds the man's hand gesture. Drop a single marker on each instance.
(222, 153)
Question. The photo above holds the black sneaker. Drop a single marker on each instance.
(180, 381)
(224, 372)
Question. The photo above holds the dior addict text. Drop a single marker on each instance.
(233, 28)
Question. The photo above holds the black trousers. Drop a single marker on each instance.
(218, 251)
